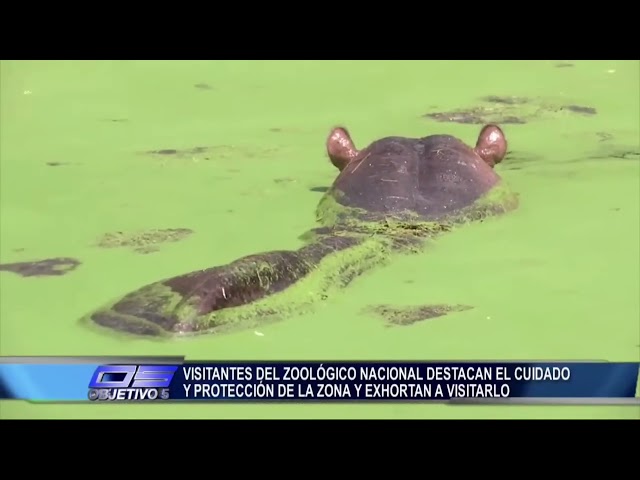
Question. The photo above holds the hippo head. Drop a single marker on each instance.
(431, 177)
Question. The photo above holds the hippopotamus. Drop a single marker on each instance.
(388, 198)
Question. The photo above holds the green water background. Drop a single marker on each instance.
(557, 279)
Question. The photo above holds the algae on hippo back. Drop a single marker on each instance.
(388, 198)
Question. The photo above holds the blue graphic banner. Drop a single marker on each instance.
(107, 379)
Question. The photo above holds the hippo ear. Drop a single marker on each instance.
(340, 148)
(491, 145)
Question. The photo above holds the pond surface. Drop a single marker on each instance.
(129, 172)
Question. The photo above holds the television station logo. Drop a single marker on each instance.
(127, 383)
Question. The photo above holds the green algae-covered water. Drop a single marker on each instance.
(144, 170)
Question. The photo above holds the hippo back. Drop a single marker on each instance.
(432, 177)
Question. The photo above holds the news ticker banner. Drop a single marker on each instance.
(172, 379)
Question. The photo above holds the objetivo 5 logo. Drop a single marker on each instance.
(112, 383)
